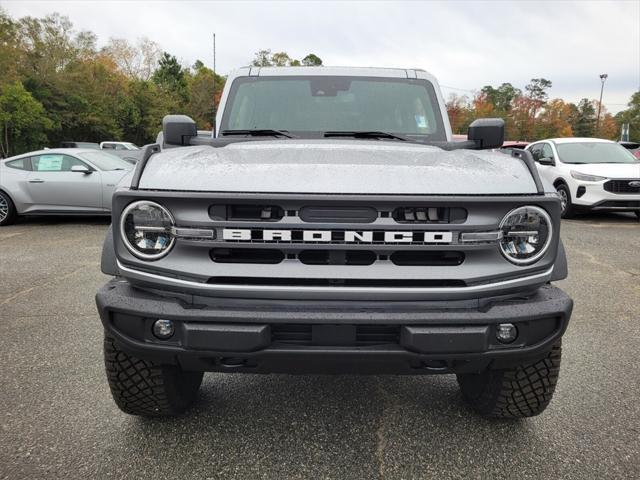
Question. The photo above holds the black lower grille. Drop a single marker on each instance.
(623, 186)
(619, 204)
(364, 335)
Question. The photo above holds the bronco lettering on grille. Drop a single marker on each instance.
(330, 236)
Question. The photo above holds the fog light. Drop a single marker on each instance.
(163, 329)
(506, 332)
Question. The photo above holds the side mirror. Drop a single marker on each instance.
(546, 161)
(487, 133)
(80, 169)
(178, 129)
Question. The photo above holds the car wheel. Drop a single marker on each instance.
(142, 387)
(565, 200)
(522, 391)
(7, 210)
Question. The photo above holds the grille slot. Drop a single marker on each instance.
(246, 213)
(366, 335)
(338, 214)
(429, 215)
(247, 255)
(337, 257)
(621, 186)
(429, 258)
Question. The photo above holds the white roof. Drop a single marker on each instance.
(579, 140)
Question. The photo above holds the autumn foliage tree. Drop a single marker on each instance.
(530, 115)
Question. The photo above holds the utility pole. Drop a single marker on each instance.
(603, 78)
(214, 85)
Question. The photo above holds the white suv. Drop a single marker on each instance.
(589, 174)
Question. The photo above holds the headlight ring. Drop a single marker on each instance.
(145, 228)
(527, 232)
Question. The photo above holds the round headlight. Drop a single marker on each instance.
(146, 229)
(526, 234)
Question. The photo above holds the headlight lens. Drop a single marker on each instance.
(586, 178)
(146, 229)
(526, 234)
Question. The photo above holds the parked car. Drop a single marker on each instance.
(118, 146)
(125, 150)
(59, 181)
(91, 145)
(520, 145)
(589, 174)
(633, 147)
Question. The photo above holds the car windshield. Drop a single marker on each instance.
(106, 161)
(309, 106)
(131, 146)
(593, 152)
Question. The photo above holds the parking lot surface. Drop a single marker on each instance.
(58, 419)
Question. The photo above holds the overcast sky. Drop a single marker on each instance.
(465, 44)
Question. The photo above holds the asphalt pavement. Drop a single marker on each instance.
(58, 419)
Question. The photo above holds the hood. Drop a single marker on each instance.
(609, 170)
(334, 167)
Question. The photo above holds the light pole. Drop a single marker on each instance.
(603, 78)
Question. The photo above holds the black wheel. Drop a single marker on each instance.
(7, 210)
(523, 391)
(142, 387)
(565, 199)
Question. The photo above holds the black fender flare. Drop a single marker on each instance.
(560, 268)
(108, 263)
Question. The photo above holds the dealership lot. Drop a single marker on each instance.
(58, 419)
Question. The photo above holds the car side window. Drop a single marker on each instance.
(547, 151)
(55, 162)
(20, 164)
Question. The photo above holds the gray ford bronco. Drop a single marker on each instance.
(329, 224)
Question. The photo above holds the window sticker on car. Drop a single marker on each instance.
(50, 163)
(421, 121)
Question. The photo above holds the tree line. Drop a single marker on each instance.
(530, 114)
(57, 85)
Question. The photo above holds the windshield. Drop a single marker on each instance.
(106, 161)
(311, 105)
(131, 146)
(593, 152)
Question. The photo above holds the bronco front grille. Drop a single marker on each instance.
(622, 186)
(343, 246)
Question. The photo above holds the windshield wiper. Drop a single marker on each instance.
(265, 132)
(367, 134)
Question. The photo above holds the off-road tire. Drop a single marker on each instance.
(142, 387)
(8, 212)
(569, 210)
(523, 391)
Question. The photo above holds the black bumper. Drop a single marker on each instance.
(216, 334)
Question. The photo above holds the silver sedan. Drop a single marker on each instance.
(59, 181)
